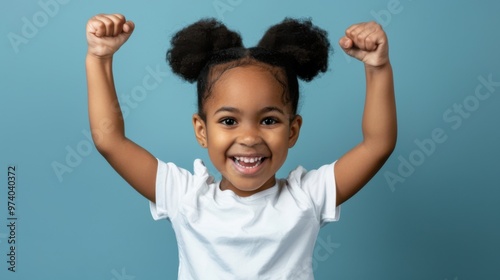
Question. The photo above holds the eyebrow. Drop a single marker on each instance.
(262, 111)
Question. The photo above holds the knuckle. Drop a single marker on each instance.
(108, 25)
(100, 24)
(120, 18)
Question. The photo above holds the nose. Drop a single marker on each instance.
(249, 135)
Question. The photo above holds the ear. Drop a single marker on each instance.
(200, 130)
(295, 125)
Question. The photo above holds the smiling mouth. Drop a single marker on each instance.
(248, 162)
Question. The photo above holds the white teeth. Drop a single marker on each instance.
(248, 159)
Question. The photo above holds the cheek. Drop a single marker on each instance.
(217, 137)
(278, 140)
(218, 142)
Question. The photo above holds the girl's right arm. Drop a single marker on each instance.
(105, 35)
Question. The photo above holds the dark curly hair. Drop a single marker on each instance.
(292, 49)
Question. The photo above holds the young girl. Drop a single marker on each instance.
(248, 224)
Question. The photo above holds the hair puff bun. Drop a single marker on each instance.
(192, 47)
(306, 44)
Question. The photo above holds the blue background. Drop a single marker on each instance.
(438, 220)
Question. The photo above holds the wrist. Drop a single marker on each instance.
(383, 67)
(99, 60)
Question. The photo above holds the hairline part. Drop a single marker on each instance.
(217, 71)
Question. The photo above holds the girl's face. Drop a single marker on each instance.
(248, 128)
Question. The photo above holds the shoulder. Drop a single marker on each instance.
(171, 175)
(316, 187)
(199, 169)
(301, 176)
(175, 186)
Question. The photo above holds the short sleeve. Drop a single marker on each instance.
(320, 187)
(172, 183)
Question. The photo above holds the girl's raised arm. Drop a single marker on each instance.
(105, 35)
(368, 43)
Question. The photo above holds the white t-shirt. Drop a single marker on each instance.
(269, 235)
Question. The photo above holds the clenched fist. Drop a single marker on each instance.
(107, 33)
(367, 42)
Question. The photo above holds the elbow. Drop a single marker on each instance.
(381, 141)
(388, 147)
(383, 148)
(387, 152)
(391, 145)
(104, 146)
(104, 150)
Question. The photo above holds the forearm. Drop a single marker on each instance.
(368, 43)
(106, 121)
(379, 117)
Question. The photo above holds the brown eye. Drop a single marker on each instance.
(269, 121)
(228, 121)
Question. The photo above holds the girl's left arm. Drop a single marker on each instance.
(368, 43)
